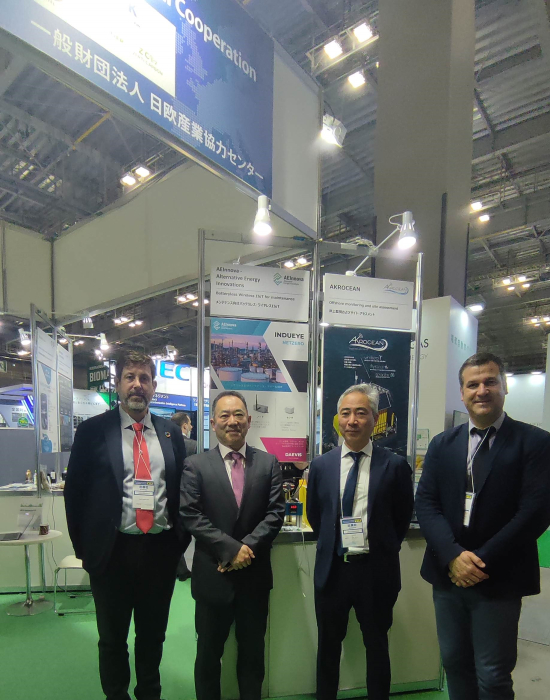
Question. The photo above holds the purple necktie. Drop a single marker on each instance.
(237, 476)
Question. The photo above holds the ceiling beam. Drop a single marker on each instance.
(509, 62)
(519, 213)
(58, 134)
(41, 197)
(512, 137)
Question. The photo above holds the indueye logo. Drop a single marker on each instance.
(278, 278)
(359, 342)
(395, 289)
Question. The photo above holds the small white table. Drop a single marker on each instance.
(31, 606)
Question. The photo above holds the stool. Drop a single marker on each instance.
(69, 562)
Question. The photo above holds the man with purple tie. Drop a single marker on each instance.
(232, 503)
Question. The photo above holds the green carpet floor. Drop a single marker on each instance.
(544, 550)
(47, 657)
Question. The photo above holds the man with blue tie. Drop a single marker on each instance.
(482, 502)
(359, 504)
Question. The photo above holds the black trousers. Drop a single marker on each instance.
(212, 623)
(139, 579)
(359, 585)
(478, 638)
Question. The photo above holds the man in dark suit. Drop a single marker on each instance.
(482, 502)
(183, 420)
(359, 504)
(122, 499)
(232, 503)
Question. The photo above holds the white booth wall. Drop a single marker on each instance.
(525, 399)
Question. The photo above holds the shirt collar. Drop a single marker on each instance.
(224, 451)
(496, 425)
(367, 450)
(127, 421)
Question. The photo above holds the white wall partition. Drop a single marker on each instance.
(525, 400)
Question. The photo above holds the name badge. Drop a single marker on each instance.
(353, 533)
(468, 506)
(143, 495)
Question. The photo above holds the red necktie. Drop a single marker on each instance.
(237, 476)
(142, 470)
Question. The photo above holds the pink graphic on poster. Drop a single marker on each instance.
(286, 449)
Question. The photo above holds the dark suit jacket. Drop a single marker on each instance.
(511, 511)
(389, 510)
(93, 488)
(190, 446)
(209, 512)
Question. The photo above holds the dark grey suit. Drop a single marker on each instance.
(209, 512)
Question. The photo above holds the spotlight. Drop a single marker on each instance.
(476, 206)
(87, 322)
(484, 218)
(262, 221)
(407, 234)
(195, 303)
(132, 325)
(63, 341)
(511, 288)
(129, 180)
(103, 344)
(302, 261)
(526, 285)
(522, 278)
(506, 281)
(117, 321)
(333, 131)
(289, 264)
(333, 49)
(546, 319)
(363, 32)
(509, 374)
(191, 297)
(536, 371)
(356, 79)
(24, 337)
(535, 320)
(22, 353)
(142, 171)
(139, 322)
(324, 324)
(476, 308)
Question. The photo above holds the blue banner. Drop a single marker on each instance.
(200, 69)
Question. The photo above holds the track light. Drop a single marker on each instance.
(333, 131)
(262, 221)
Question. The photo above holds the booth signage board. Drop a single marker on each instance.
(65, 397)
(200, 69)
(97, 375)
(266, 361)
(367, 302)
(382, 358)
(46, 403)
(259, 292)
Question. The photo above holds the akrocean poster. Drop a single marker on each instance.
(381, 358)
(267, 362)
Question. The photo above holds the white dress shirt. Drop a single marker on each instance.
(158, 475)
(228, 460)
(360, 502)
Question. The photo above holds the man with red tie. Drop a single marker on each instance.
(121, 499)
(232, 503)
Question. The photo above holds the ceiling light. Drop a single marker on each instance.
(526, 285)
(207, 301)
(128, 180)
(536, 371)
(289, 264)
(87, 322)
(262, 221)
(476, 308)
(546, 318)
(302, 261)
(407, 233)
(124, 319)
(535, 320)
(506, 280)
(190, 296)
(484, 218)
(377, 64)
(103, 344)
(139, 322)
(476, 206)
(132, 325)
(195, 303)
(333, 131)
(182, 299)
(333, 49)
(357, 79)
(142, 171)
(509, 374)
(522, 278)
(24, 337)
(324, 324)
(79, 342)
(537, 325)
(511, 288)
(22, 353)
(63, 341)
(363, 32)
(117, 321)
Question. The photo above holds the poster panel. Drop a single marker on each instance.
(367, 302)
(46, 411)
(353, 356)
(200, 69)
(266, 361)
(259, 292)
(65, 397)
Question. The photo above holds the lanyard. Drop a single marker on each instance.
(139, 436)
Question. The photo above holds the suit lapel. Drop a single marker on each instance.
(113, 438)
(218, 466)
(378, 464)
(333, 476)
(485, 467)
(167, 452)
